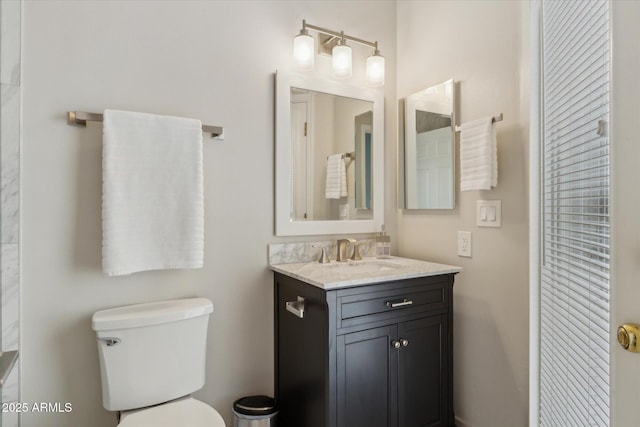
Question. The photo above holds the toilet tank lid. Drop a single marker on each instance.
(153, 313)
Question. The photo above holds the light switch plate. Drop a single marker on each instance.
(464, 243)
(489, 213)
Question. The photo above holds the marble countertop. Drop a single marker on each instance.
(369, 271)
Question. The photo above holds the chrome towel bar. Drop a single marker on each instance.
(493, 120)
(80, 118)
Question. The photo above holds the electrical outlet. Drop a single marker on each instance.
(464, 243)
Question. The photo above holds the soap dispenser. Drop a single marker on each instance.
(383, 244)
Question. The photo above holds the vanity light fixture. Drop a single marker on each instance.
(341, 63)
(304, 46)
(375, 68)
(303, 50)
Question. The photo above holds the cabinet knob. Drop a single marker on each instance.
(404, 342)
(395, 344)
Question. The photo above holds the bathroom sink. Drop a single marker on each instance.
(352, 267)
(366, 271)
(372, 266)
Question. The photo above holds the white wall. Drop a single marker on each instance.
(322, 128)
(344, 141)
(481, 45)
(210, 60)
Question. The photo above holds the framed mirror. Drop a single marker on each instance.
(429, 148)
(329, 157)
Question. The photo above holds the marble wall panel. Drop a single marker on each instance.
(287, 253)
(9, 163)
(10, 41)
(10, 276)
(10, 34)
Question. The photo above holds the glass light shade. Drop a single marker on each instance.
(341, 64)
(375, 70)
(303, 51)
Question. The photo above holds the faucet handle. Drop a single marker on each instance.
(324, 258)
(356, 252)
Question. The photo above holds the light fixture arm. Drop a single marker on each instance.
(336, 46)
(340, 34)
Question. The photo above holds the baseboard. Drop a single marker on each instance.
(462, 423)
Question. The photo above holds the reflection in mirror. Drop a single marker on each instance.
(429, 148)
(331, 139)
(364, 166)
(325, 129)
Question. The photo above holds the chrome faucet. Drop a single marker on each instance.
(341, 254)
(356, 252)
(324, 258)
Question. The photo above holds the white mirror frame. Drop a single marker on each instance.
(284, 225)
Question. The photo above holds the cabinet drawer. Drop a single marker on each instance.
(405, 300)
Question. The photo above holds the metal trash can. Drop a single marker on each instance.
(255, 411)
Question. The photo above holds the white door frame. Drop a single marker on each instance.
(535, 126)
(308, 100)
(625, 228)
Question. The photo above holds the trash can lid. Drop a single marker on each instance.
(255, 405)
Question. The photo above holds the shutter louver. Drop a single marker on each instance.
(574, 304)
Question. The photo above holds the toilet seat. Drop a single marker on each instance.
(182, 412)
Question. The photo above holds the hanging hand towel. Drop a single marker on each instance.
(336, 185)
(478, 155)
(152, 193)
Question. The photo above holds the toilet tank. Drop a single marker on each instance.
(151, 353)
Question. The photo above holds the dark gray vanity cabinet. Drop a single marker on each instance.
(377, 355)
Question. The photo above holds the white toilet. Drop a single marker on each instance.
(152, 357)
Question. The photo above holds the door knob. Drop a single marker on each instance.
(395, 344)
(628, 337)
(404, 342)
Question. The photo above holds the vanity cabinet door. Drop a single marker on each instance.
(423, 383)
(367, 368)
(301, 353)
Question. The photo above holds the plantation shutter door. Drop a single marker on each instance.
(574, 301)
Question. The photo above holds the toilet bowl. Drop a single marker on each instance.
(180, 412)
(152, 357)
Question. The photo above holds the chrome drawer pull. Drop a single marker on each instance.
(296, 307)
(402, 303)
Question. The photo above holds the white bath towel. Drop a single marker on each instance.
(152, 193)
(336, 183)
(478, 155)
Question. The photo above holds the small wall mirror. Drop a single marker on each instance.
(329, 148)
(429, 148)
